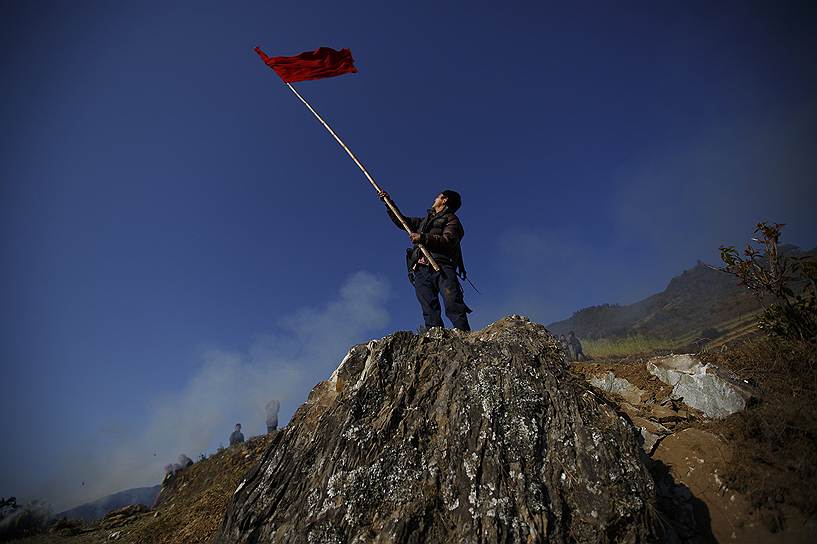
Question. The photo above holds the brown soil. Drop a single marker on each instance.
(752, 475)
(775, 438)
(697, 460)
(633, 369)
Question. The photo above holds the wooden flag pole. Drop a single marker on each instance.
(377, 188)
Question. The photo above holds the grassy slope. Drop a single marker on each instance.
(191, 506)
(701, 306)
(698, 299)
(731, 330)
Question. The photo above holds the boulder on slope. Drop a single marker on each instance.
(449, 437)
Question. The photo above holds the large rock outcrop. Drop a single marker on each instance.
(449, 437)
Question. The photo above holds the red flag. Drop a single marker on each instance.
(318, 64)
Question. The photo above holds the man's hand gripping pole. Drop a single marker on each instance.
(385, 198)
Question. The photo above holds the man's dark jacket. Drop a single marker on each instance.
(439, 232)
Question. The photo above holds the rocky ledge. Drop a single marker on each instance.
(449, 437)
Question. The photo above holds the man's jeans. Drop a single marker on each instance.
(429, 285)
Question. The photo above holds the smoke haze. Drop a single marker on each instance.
(228, 387)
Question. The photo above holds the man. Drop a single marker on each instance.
(575, 347)
(440, 231)
(237, 437)
(565, 347)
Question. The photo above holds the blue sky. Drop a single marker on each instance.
(182, 241)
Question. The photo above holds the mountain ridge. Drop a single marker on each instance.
(97, 509)
(701, 303)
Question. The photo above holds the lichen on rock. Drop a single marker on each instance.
(449, 437)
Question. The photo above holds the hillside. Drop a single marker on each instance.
(97, 509)
(490, 436)
(699, 305)
(449, 437)
(189, 508)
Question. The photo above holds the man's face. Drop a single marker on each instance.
(440, 201)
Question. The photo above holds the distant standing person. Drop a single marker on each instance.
(271, 409)
(440, 231)
(237, 437)
(564, 345)
(575, 347)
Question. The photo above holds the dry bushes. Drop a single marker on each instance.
(790, 281)
(775, 438)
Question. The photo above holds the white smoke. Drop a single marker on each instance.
(181, 463)
(17, 521)
(271, 410)
(229, 387)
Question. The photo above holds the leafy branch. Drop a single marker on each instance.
(791, 281)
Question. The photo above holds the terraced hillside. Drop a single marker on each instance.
(701, 307)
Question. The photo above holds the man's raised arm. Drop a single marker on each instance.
(412, 222)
